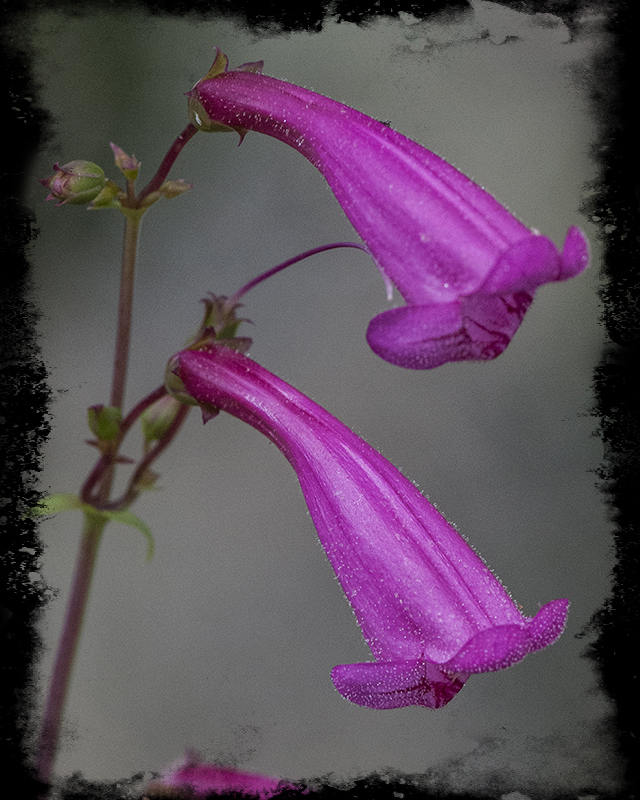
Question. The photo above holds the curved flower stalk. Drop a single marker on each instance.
(429, 609)
(467, 268)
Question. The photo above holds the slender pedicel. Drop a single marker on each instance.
(234, 299)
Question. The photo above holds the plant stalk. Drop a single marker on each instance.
(168, 161)
(67, 647)
(101, 478)
(125, 305)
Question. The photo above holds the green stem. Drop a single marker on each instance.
(93, 527)
(67, 647)
(121, 359)
(101, 478)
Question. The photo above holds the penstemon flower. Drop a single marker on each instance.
(466, 266)
(192, 777)
(429, 609)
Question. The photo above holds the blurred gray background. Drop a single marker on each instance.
(224, 643)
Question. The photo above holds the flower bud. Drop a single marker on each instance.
(104, 422)
(157, 419)
(219, 324)
(171, 189)
(168, 189)
(128, 165)
(77, 182)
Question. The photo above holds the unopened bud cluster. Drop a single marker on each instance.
(82, 182)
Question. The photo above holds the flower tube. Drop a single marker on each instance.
(467, 268)
(192, 777)
(430, 610)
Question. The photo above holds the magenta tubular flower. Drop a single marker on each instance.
(428, 607)
(467, 268)
(200, 779)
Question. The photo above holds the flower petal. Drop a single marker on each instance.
(504, 645)
(396, 684)
(575, 254)
(513, 270)
(425, 336)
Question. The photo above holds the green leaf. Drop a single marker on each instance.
(126, 517)
(55, 503)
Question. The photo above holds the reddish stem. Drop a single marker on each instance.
(102, 474)
(107, 460)
(168, 161)
(289, 262)
(67, 646)
(125, 305)
(132, 491)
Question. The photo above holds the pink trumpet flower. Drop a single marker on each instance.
(428, 607)
(192, 777)
(467, 268)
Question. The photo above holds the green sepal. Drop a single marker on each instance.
(55, 503)
(197, 113)
(109, 197)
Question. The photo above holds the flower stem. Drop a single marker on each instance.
(289, 262)
(168, 161)
(105, 461)
(101, 477)
(67, 647)
(133, 490)
(93, 525)
(125, 304)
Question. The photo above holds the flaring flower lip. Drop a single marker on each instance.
(429, 608)
(465, 265)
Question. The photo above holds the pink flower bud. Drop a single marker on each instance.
(128, 165)
(77, 183)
